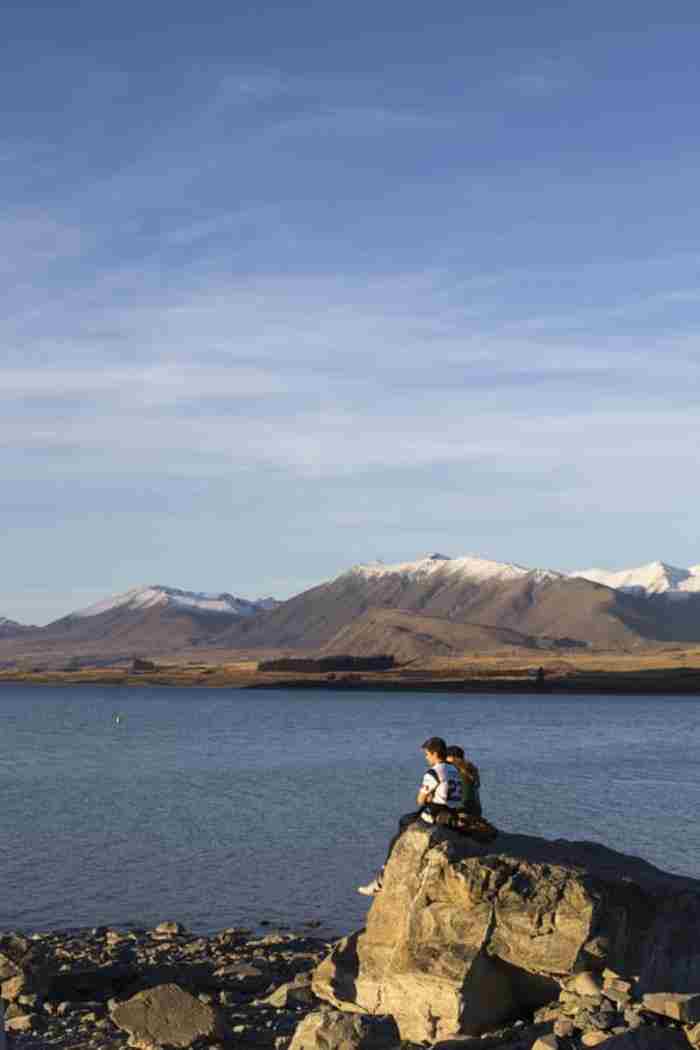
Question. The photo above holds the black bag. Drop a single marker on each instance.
(478, 828)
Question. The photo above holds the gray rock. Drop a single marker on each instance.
(327, 1029)
(3, 1041)
(167, 1016)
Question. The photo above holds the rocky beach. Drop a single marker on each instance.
(522, 944)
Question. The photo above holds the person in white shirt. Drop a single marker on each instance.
(440, 789)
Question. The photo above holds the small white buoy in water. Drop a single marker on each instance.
(117, 718)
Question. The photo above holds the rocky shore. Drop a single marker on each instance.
(521, 944)
(105, 988)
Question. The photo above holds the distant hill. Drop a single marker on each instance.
(11, 629)
(142, 621)
(657, 579)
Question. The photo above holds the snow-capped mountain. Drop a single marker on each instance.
(656, 578)
(469, 567)
(142, 621)
(470, 591)
(156, 596)
(10, 628)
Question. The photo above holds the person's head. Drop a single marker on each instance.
(434, 749)
(454, 751)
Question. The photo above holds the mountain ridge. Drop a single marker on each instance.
(431, 603)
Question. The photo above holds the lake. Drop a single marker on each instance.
(127, 806)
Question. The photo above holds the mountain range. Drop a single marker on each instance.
(433, 606)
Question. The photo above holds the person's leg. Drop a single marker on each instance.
(404, 822)
(376, 884)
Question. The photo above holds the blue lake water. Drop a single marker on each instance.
(224, 807)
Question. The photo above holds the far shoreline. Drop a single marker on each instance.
(650, 680)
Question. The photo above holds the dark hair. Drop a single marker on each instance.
(435, 744)
(454, 751)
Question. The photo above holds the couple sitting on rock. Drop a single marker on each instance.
(449, 788)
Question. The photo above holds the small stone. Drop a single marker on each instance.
(170, 929)
(617, 996)
(13, 988)
(564, 1028)
(549, 1013)
(546, 1042)
(585, 983)
(23, 1023)
(7, 967)
(616, 984)
(632, 1018)
(63, 1009)
(115, 936)
(692, 1034)
(15, 1010)
(603, 1020)
(593, 1038)
(677, 1005)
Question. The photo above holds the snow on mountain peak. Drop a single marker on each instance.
(470, 567)
(149, 597)
(657, 577)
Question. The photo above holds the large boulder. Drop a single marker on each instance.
(167, 1016)
(464, 937)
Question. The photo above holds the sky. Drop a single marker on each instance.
(287, 287)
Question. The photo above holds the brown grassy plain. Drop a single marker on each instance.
(671, 669)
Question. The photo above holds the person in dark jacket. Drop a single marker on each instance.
(471, 781)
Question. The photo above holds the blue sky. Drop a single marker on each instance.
(287, 287)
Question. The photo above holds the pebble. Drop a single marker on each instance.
(593, 1038)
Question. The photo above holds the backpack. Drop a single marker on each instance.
(478, 828)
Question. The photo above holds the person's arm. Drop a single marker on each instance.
(427, 789)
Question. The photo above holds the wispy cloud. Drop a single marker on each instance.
(305, 304)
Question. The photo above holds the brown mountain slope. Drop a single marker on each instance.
(533, 604)
(412, 636)
(115, 635)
